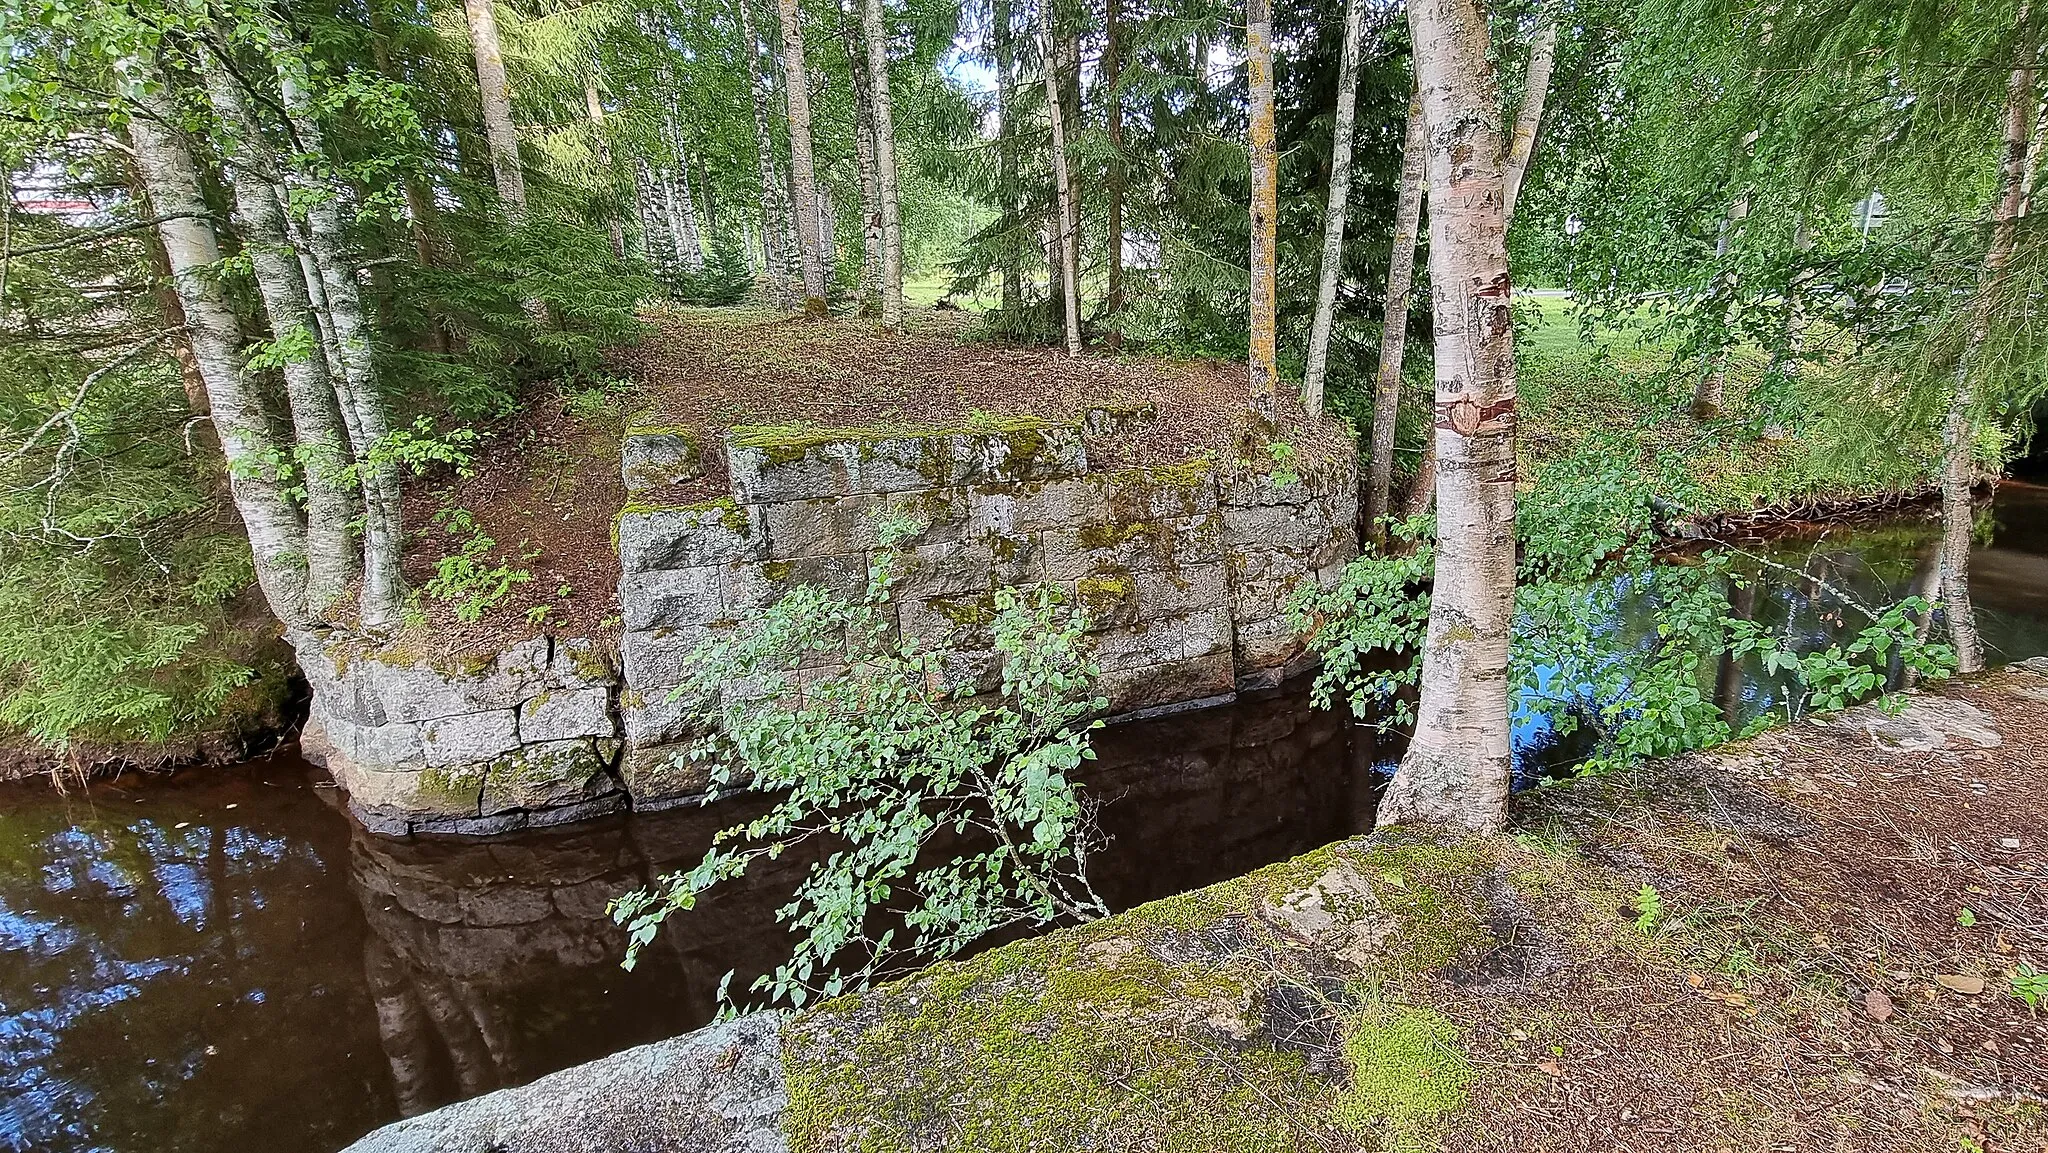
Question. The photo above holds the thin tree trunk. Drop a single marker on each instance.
(277, 537)
(1959, 427)
(601, 144)
(496, 93)
(691, 232)
(877, 35)
(321, 442)
(774, 205)
(1012, 254)
(655, 243)
(1457, 764)
(1265, 372)
(1528, 123)
(1118, 177)
(1529, 120)
(1334, 212)
(363, 409)
(864, 156)
(1710, 394)
(1386, 401)
(797, 93)
(1063, 182)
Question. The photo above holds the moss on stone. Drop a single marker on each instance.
(1105, 588)
(1406, 1071)
(1110, 534)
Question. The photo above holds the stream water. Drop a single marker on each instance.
(223, 960)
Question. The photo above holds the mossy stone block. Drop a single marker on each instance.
(652, 458)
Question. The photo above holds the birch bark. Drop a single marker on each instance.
(1012, 257)
(1063, 183)
(495, 91)
(877, 35)
(363, 410)
(864, 158)
(1265, 373)
(797, 93)
(1113, 117)
(321, 448)
(1334, 212)
(1456, 768)
(601, 145)
(1386, 400)
(775, 213)
(1959, 426)
(277, 536)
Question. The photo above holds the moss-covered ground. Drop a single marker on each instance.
(1811, 941)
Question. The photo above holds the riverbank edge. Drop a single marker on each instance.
(226, 738)
(1353, 992)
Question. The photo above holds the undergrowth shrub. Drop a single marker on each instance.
(935, 818)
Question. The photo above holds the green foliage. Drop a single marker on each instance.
(955, 817)
(727, 278)
(2030, 985)
(1649, 909)
(1406, 1070)
(1606, 637)
(473, 577)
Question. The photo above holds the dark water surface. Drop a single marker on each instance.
(224, 961)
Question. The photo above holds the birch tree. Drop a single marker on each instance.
(1064, 239)
(1386, 397)
(495, 91)
(321, 446)
(803, 174)
(1011, 258)
(864, 159)
(1521, 149)
(1334, 211)
(601, 145)
(1265, 372)
(1118, 177)
(776, 216)
(277, 535)
(1959, 425)
(1457, 765)
(877, 35)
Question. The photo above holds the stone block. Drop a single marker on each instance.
(656, 658)
(769, 466)
(965, 567)
(949, 622)
(655, 715)
(471, 738)
(650, 458)
(1263, 644)
(1136, 495)
(1029, 452)
(1115, 597)
(566, 714)
(579, 662)
(1257, 485)
(1296, 530)
(671, 538)
(383, 748)
(1138, 546)
(756, 586)
(408, 795)
(653, 774)
(1011, 510)
(909, 463)
(1136, 646)
(1172, 682)
(965, 672)
(671, 598)
(548, 774)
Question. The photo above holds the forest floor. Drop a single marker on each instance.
(545, 490)
(1820, 939)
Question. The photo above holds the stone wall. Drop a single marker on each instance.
(1186, 572)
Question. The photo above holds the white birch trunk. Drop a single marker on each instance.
(775, 215)
(1457, 766)
(495, 91)
(1386, 399)
(601, 144)
(357, 387)
(1012, 258)
(655, 244)
(864, 158)
(1529, 120)
(1710, 394)
(1265, 165)
(877, 36)
(277, 536)
(1334, 211)
(321, 447)
(1959, 426)
(1063, 184)
(803, 174)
